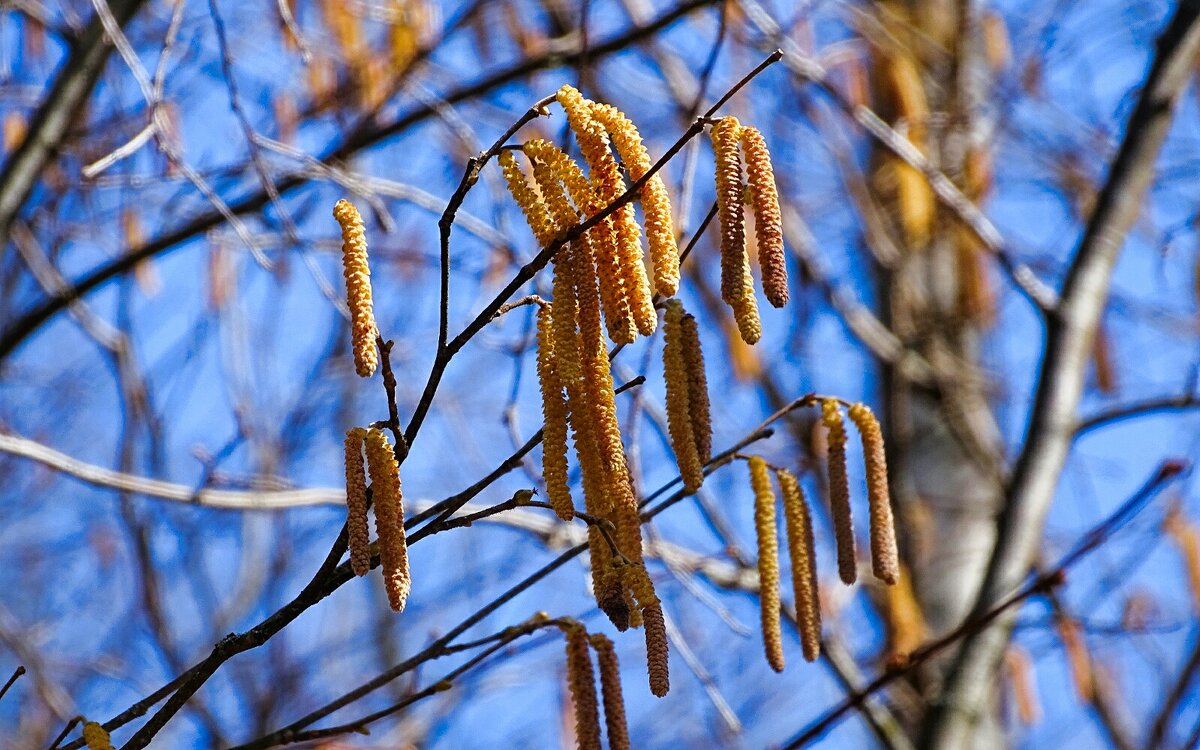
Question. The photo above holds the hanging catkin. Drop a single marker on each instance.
(357, 272)
(679, 407)
(581, 681)
(554, 415)
(768, 561)
(623, 274)
(389, 517)
(768, 221)
(656, 204)
(839, 489)
(804, 564)
(536, 214)
(885, 561)
(737, 285)
(95, 737)
(610, 690)
(656, 650)
(698, 403)
(357, 532)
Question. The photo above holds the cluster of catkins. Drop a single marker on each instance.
(381, 462)
(884, 558)
(581, 681)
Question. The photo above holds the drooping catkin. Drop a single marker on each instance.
(679, 407)
(389, 517)
(607, 587)
(95, 737)
(698, 403)
(630, 272)
(581, 681)
(885, 560)
(768, 561)
(839, 489)
(802, 551)
(768, 221)
(737, 285)
(656, 204)
(610, 691)
(357, 532)
(536, 213)
(357, 271)
(745, 308)
(656, 650)
(554, 415)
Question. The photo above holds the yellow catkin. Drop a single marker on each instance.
(768, 561)
(554, 414)
(656, 650)
(358, 534)
(802, 551)
(839, 489)
(95, 737)
(622, 274)
(768, 221)
(656, 204)
(697, 388)
(389, 517)
(536, 213)
(607, 585)
(885, 560)
(737, 285)
(610, 690)
(679, 408)
(358, 287)
(581, 681)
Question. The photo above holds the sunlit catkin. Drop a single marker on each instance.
(737, 285)
(357, 532)
(554, 415)
(768, 561)
(698, 403)
(656, 204)
(95, 737)
(536, 213)
(802, 551)
(610, 691)
(839, 489)
(679, 409)
(768, 221)
(885, 561)
(657, 650)
(389, 517)
(581, 681)
(358, 287)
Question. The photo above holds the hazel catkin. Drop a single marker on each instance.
(768, 221)
(536, 213)
(95, 737)
(768, 561)
(357, 272)
(679, 408)
(357, 532)
(656, 650)
(581, 681)
(389, 517)
(885, 560)
(802, 551)
(839, 489)
(698, 403)
(737, 285)
(554, 415)
(610, 692)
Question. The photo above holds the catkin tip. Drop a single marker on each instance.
(656, 650)
(357, 532)
(357, 272)
(389, 517)
(885, 560)
(768, 561)
(839, 490)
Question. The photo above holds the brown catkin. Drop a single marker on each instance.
(768, 561)
(610, 690)
(802, 550)
(95, 737)
(357, 532)
(536, 213)
(357, 272)
(581, 681)
(839, 489)
(554, 415)
(768, 221)
(885, 560)
(656, 204)
(697, 388)
(737, 285)
(679, 407)
(389, 517)
(657, 650)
